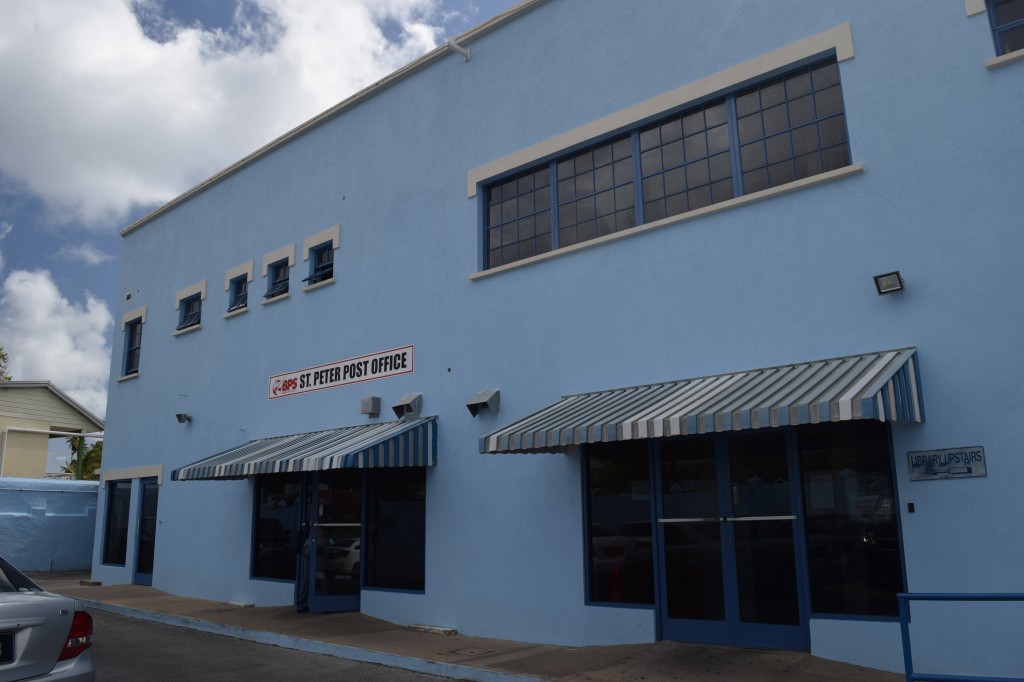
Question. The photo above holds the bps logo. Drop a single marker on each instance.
(283, 386)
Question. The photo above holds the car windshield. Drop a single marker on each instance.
(13, 580)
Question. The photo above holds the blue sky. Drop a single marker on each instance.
(113, 107)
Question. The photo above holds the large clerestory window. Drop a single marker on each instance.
(775, 132)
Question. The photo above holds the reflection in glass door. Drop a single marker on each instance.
(337, 533)
(727, 523)
(146, 532)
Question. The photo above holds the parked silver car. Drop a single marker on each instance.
(43, 636)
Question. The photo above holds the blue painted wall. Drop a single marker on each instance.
(47, 525)
(778, 281)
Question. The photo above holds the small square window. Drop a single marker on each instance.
(321, 263)
(133, 346)
(277, 284)
(191, 312)
(238, 296)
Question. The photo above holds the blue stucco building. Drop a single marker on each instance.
(606, 322)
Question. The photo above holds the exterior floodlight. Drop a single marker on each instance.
(889, 283)
(458, 49)
(183, 418)
(484, 399)
(409, 405)
(370, 406)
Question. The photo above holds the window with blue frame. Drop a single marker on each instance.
(133, 346)
(115, 527)
(321, 263)
(1007, 20)
(277, 284)
(238, 293)
(278, 501)
(762, 136)
(190, 312)
(619, 529)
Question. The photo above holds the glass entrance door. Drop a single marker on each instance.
(146, 532)
(335, 566)
(727, 525)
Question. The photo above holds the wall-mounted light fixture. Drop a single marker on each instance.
(370, 406)
(889, 283)
(484, 400)
(409, 405)
(183, 418)
(458, 49)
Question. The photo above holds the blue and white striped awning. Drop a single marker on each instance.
(883, 386)
(409, 443)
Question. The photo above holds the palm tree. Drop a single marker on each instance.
(4, 359)
(86, 461)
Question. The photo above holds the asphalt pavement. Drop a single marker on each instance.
(358, 637)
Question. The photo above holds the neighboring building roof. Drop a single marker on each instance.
(367, 92)
(36, 385)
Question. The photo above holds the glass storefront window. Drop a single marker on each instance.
(338, 532)
(115, 546)
(620, 533)
(396, 528)
(853, 546)
(277, 524)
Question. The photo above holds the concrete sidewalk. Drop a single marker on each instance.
(359, 637)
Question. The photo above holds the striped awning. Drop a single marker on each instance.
(883, 386)
(409, 443)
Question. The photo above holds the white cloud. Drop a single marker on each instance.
(86, 253)
(5, 229)
(48, 338)
(99, 118)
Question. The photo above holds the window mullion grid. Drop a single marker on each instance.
(638, 178)
(553, 179)
(734, 146)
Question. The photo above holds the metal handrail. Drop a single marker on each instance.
(904, 600)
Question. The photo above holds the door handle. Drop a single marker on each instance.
(790, 517)
(713, 519)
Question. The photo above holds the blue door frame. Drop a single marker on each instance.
(145, 531)
(729, 626)
(338, 510)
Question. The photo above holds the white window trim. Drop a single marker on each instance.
(199, 288)
(187, 330)
(976, 7)
(331, 234)
(236, 272)
(189, 292)
(246, 270)
(822, 178)
(1004, 59)
(318, 285)
(268, 301)
(973, 7)
(838, 39)
(132, 315)
(156, 470)
(278, 255)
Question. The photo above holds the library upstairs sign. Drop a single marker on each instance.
(386, 363)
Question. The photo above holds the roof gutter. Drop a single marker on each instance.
(453, 45)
